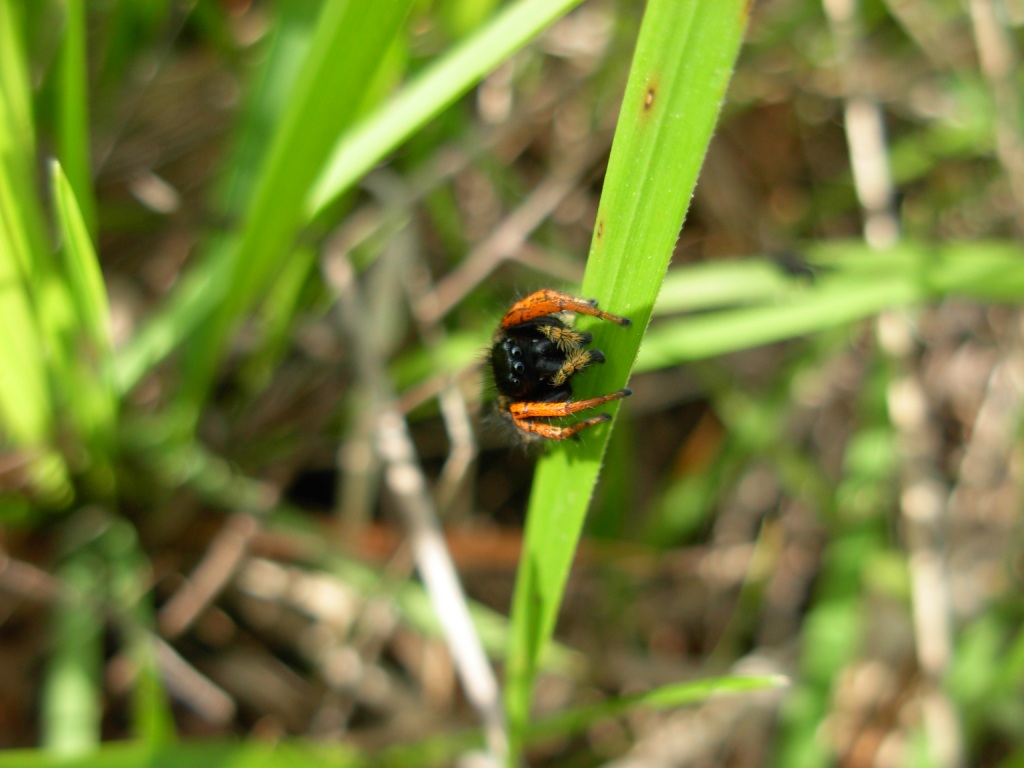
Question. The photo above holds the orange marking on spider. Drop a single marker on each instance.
(547, 302)
(533, 358)
(555, 432)
(553, 410)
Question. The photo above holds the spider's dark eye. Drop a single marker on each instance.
(515, 356)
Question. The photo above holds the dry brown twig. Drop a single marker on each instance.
(924, 494)
(404, 478)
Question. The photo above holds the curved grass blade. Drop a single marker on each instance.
(355, 154)
(666, 697)
(343, 58)
(439, 86)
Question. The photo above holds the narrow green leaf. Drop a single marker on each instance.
(128, 588)
(198, 291)
(82, 270)
(665, 697)
(855, 282)
(272, 87)
(438, 87)
(684, 57)
(17, 139)
(26, 408)
(72, 703)
(343, 58)
(72, 111)
(78, 324)
(703, 336)
(25, 414)
(354, 154)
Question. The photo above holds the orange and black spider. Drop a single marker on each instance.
(534, 356)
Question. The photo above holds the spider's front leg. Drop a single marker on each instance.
(576, 361)
(548, 302)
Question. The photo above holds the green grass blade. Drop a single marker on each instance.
(290, 38)
(78, 323)
(684, 57)
(72, 111)
(855, 283)
(447, 79)
(343, 58)
(82, 272)
(17, 139)
(665, 697)
(353, 155)
(25, 414)
(129, 578)
(26, 408)
(196, 297)
(72, 702)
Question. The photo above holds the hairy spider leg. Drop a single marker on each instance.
(556, 409)
(555, 432)
(525, 415)
(546, 302)
(566, 339)
(575, 361)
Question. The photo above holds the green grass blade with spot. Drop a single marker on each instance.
(684, 57)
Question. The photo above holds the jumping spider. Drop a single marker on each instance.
(534, 356)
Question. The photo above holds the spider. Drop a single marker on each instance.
(534, 356)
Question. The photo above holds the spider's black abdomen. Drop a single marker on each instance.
(524, 360)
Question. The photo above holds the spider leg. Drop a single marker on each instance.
(546, 302)
(554, 432)
(575, 361)
(522, 411)
(566, 339)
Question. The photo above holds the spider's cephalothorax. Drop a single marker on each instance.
(533, 358)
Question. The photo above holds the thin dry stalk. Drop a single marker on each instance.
(404, 478)
(924, 493)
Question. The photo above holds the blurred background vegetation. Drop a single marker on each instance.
(818, 475)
